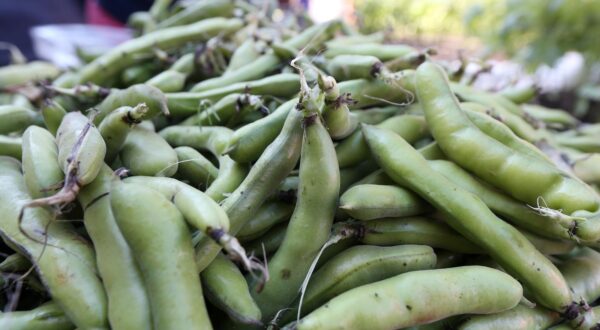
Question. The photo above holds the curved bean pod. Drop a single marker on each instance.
(230, 176)
(518, 318)
(128, 304)
(417, 297)
(210, 138)
(15, 118)
(195, 168)
(82, 297)
(473, 219)
(115, 127)
(145, 152)
(48, 316)
(163, 251)
(41, 170)
(370, 201)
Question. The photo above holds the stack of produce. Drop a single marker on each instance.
(225, 171)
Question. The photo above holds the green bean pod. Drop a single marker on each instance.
(15, 118)
(473, 219)
(81, 295)
(551, 117)
(162, 246)
(587, 168)
(370, 201)
(270, 169)
(139, 73)
(146, 153)
(313, 215)
(19, 74)
(382, 52)
(48, 316)
(41, 169)
(169, 81)
(245, 54)
(249, 141)
(230, 176)
(115, 127)
(279, 85)
(128, 304)
(338, 119)
(132, 96)
(214, 139)
(416, 298)
(517, 318)
(226, 110)
(496, 163)
(582, 143)
(361, 265)
(514, 211)
(348, 67)
(195, 168)
(11, 146)
(354, 149)
(414, 230)
(374, 116)
(199, 11)
(122, 56)
(226, 288)
(53, 114)
(580, 271)
(269, 214)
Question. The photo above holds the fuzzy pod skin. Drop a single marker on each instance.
(115, 127)
(41, 169)
(313, 215)
(414, 230)
(128, 304)
(496, 163)
(517, 318)
(514, 211)
(15, 118)
(417, 297)
(110, 63)
(91, 149)
(195, 168)
(164, 253)
(223, 111)
(274, 165)
(48, 316)
(354, 149)
(19, 74)
(360, 265)
(11, 146)
(370, 201)
(279, 85)
(133, 95)
(473, 219)
(81, 294)
(249, 141)
(226, 288)
(231, 175)
(53, 114)
(214, 139)
(147, 153)
(269, 214)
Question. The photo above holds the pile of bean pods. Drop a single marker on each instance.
(222, 170)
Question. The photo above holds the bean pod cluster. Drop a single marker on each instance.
(224, 171)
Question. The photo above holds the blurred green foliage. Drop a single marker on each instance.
(532, 31)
